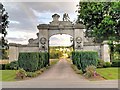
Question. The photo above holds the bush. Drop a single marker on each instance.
(90, 71)
(21, 74)
(7, 66)
(2, 66)
(100, 63)
(32, 61)
(28, 61)
(107, 64)
(31, 74)
(82, 59)
(115, 63)
(14, 65)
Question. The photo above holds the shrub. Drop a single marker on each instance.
(14, 65)
(28, 61)
(90, 71)
(32, 61)
(21, 74)
(115, 63)
(31, 74)
(107, 64)
(82, 59)
(7, 66)
(2, 66)
(100, 63)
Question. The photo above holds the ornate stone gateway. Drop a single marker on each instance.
(41, 44)
(60, 27)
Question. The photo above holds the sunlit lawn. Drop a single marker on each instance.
(109, 73)
(7, 75)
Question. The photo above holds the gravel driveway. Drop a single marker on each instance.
(60, 75)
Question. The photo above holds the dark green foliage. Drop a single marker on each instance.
(2, 66)
(3, 25)
(107, 64)
(102, 21)
(115, 63)
(14, 65)
(7, 66)
(82, 59)
(10, 66)
(32, 61)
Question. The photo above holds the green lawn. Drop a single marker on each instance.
(8, 75)
(109, 73)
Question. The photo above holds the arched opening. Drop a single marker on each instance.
(60, 46)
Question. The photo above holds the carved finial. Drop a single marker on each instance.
(55, 17)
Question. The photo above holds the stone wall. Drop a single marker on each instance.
(15, 49)
(93, 48)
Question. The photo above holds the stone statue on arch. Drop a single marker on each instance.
(66, 17)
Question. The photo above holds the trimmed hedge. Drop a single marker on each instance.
(32, 61)
(82, 59)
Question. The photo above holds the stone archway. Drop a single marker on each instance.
(60, 27)
(41, 44)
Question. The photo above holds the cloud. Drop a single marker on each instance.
(25, 16)
(60, 40)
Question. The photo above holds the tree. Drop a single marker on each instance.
(102, 21)
(3, 25)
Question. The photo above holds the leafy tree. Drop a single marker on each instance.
(3, 25)
(102, 21)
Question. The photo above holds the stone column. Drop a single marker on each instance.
(13, 52)
(78, 39)
(105, 52)
(43, 40)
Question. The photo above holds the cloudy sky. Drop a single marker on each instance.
(25, 16)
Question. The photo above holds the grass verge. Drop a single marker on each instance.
(7, 75)
(109, 73)
(10, 75)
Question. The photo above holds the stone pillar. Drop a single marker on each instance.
(13, 52)
(105, 52)
(43, 40)
(78, 39)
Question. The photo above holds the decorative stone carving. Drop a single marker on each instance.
(79, 46)
(43, 40)
(33, 42)
(43, 47)
(78, 40)
(66, 17)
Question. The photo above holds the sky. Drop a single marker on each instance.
(25, 16)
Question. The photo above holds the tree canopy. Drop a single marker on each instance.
(101, 19)
(3, 25)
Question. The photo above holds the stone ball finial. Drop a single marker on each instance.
(55, 17)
